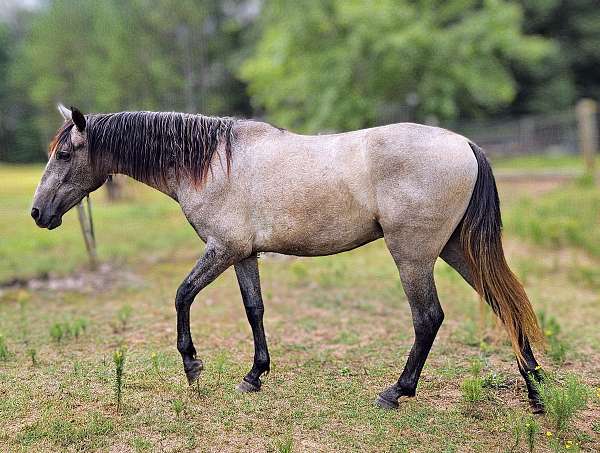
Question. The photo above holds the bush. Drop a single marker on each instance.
(472, 390)
(562, 402)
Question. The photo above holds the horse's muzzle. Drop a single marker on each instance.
(46, 221)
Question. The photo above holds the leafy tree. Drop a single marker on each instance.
(337, 64)
(572, 73)
(131, 55)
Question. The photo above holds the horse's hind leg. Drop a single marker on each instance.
(453, 254)
(416, 275)
(249, 281)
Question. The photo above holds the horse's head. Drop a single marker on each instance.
(69, 175)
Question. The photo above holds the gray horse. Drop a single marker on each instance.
(248, 187)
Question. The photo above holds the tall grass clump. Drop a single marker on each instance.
(123, 317)
(562, 402)
(119, 361)
(472, 388)
(557, 347)
(553, 219)
(4, 354)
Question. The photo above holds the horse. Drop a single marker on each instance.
(248, 187)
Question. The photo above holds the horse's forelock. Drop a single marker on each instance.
(61, 138)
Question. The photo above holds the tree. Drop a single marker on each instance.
(570, 74)
(131, 55)
(336, 64)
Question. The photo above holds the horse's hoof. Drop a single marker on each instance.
(537, 407)
(193, 370)
(385, 403)
(247, 387)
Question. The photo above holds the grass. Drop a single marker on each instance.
(338, 327)
(122, 235)
(567, 216)
(540, 163)
(563, 401)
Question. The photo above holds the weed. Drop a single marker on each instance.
(156, 365)
(57, 332)
(557, 348)
(285, 445)
(123, 318)
(119, 361)
(495, 380)
(476, 366)
(532, 428)
(60, 331)
(220, 365)
(4, 354)
(178, 407)
(32, 353)
(562, 402)
(78, 326)
(472, 390)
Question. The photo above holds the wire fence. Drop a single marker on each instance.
(535, 134)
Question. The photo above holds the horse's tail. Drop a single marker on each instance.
(481, 241)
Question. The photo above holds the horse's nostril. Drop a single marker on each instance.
(35, 213)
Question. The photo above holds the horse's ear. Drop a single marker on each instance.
(65, 112)
(78, 119)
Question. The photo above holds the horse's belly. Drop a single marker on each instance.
(317, 234)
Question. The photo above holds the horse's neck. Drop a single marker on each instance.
(171, 188)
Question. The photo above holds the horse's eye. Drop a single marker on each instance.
(63, 155)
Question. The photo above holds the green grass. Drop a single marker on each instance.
(147, 224)
(540, 163)
(567, 216)
(338, 327)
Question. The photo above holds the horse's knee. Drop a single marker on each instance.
(184, 295)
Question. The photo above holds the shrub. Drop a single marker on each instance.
(562, 402)
(557, 348)
(178, 407)
(4, 354)
(472, 390)
(119, 361)
(57, 332)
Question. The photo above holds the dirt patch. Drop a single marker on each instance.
(85, 280)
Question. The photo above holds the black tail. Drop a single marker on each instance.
(481, 241)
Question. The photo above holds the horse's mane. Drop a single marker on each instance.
(150, 146)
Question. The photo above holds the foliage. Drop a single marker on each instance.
(562, 402)
(472, 390)
(4, 353)
(557, 347)
(123, 54)
(68, 329)
(337, 65)
(119, 361)
(178, 407)
(567, 216)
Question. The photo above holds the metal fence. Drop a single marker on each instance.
(535, 134)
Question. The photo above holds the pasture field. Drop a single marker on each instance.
(338, 327)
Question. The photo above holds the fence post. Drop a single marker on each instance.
(587, 127)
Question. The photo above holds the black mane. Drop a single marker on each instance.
(149, 146)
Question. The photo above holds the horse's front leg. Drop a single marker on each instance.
(214, 261)
(249, 281)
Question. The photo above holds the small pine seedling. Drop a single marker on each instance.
(285, 445)
(4, 354)
(57, 332)
(532, 427)
(563, 402)
(220, 365)
(119, 361)
(472, 390)
(33, 356)
(123, 316)
(178, 407)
